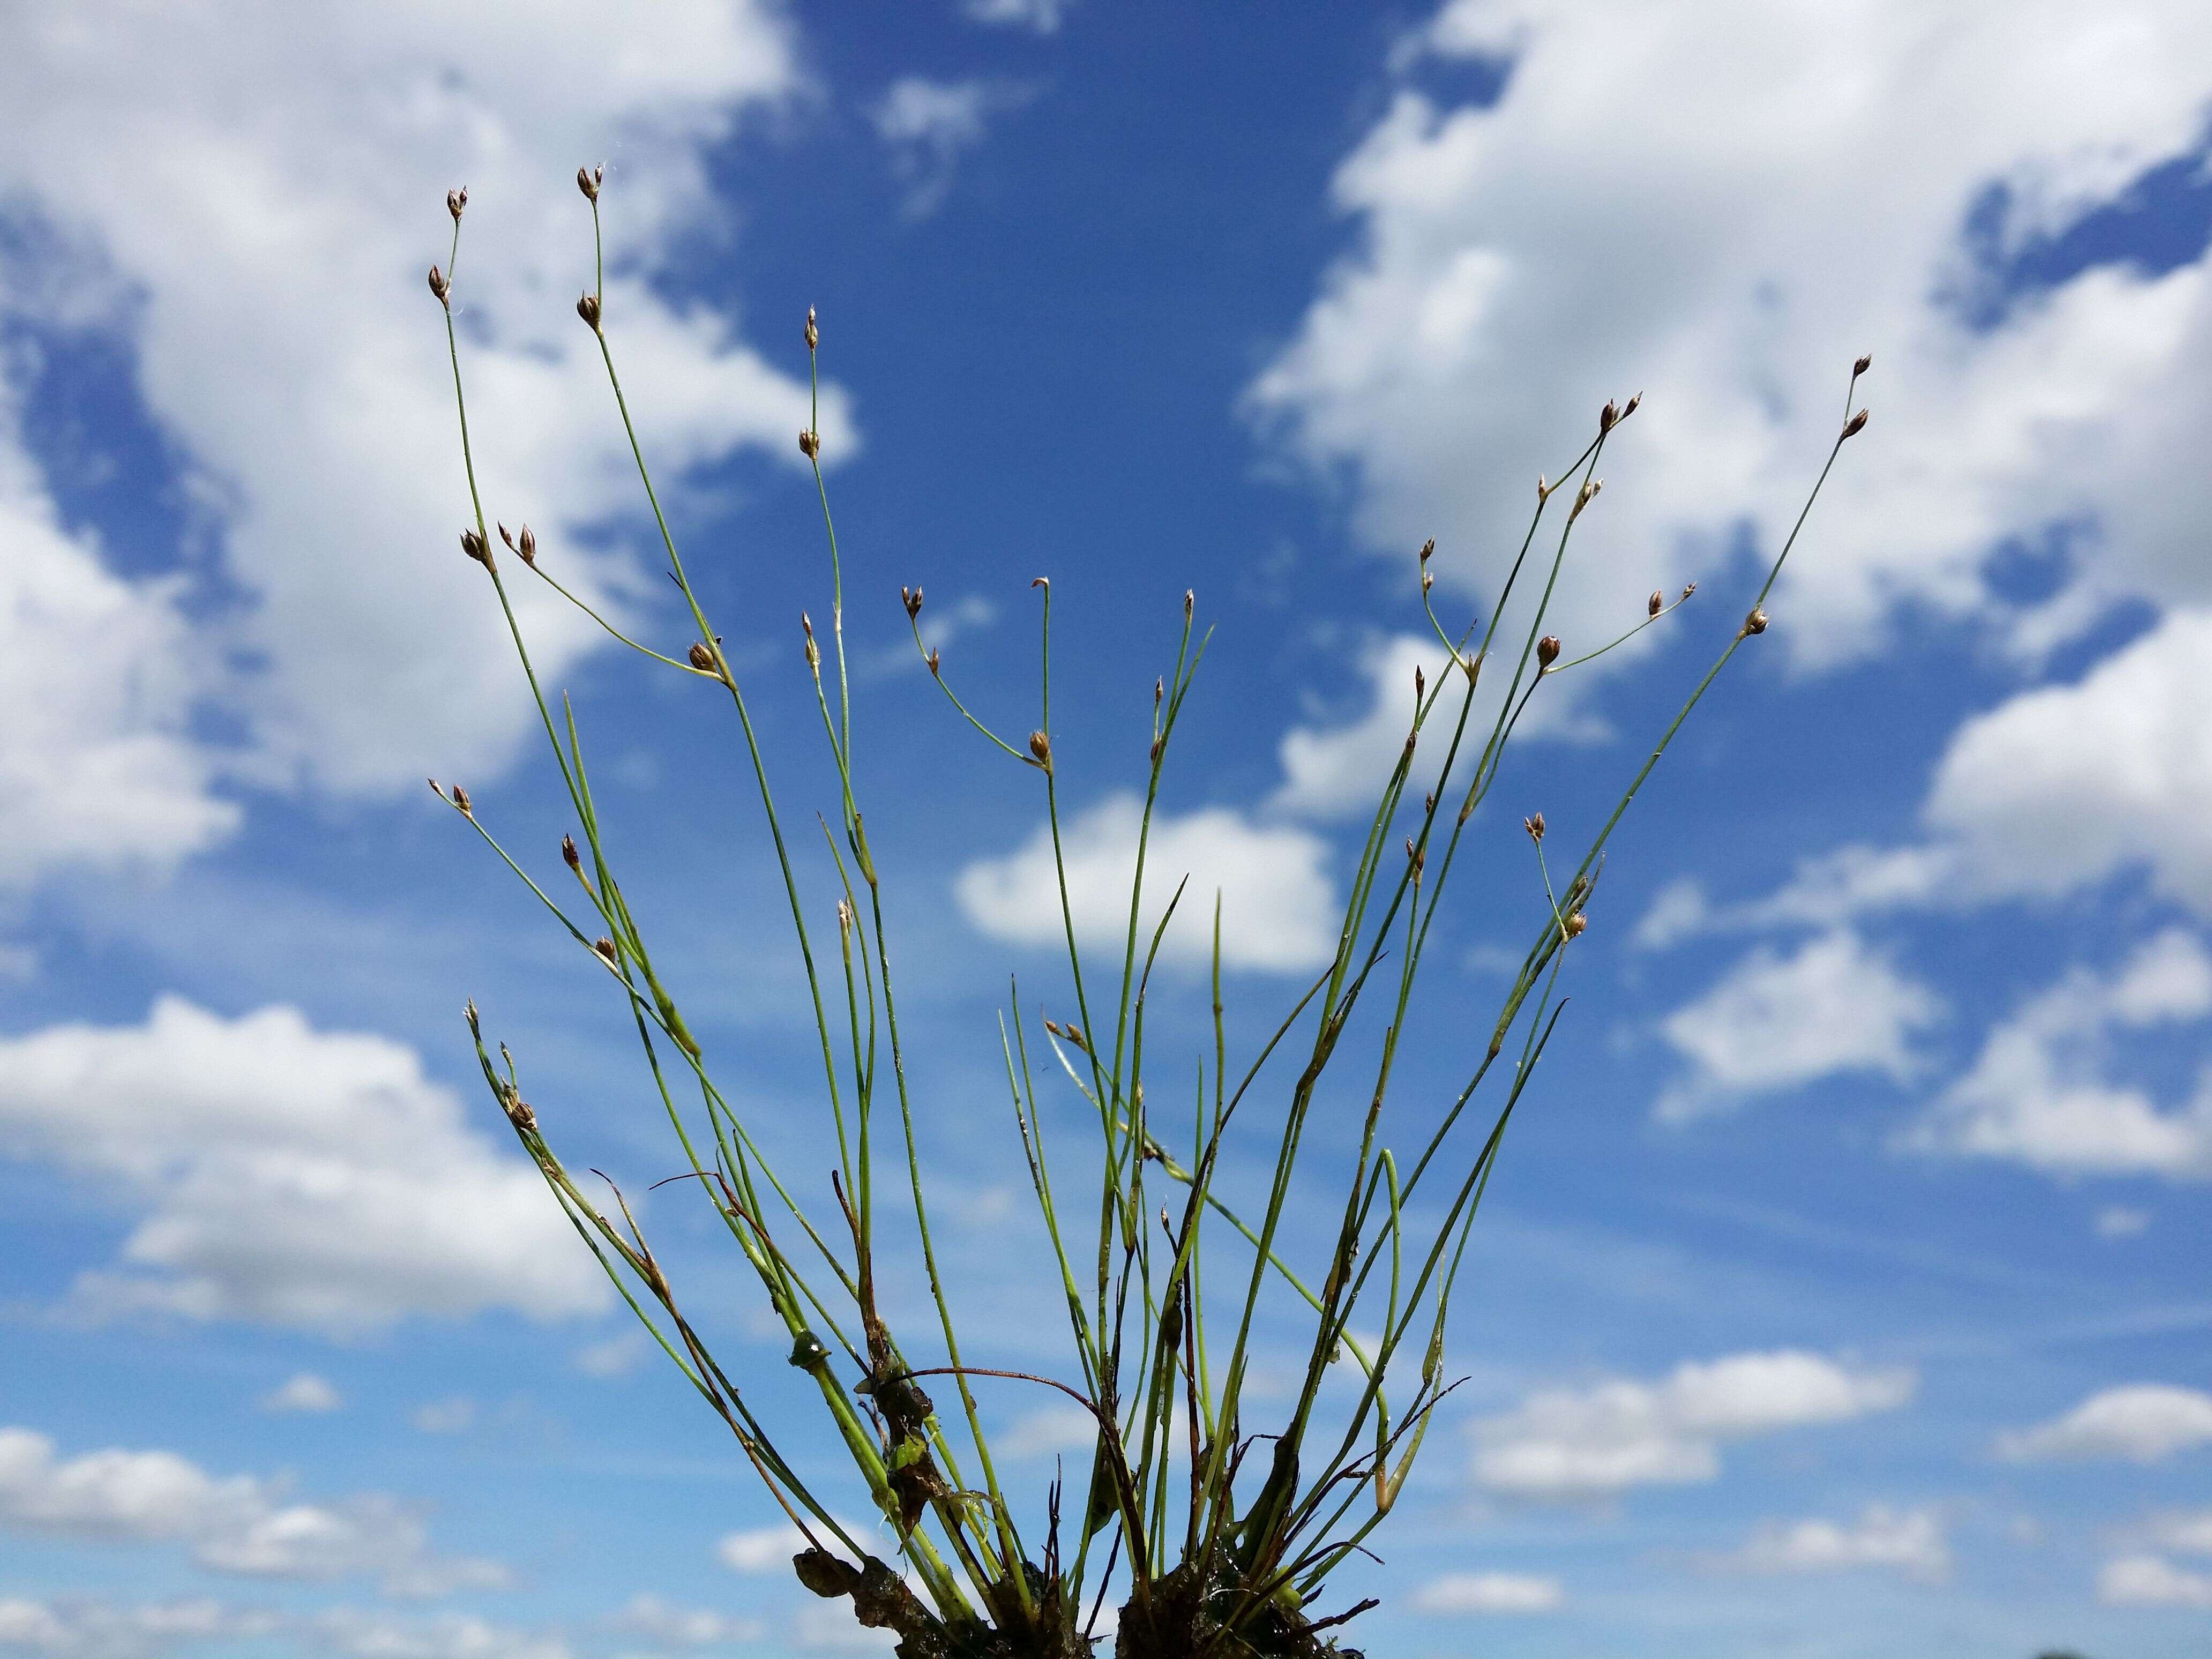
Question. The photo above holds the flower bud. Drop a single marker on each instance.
(1428, 580)
(587, 180)
(1576, 923)
(1606, 417)
(1656, 604)
(1543, 490)
(1421, 682)
(813, 334)
(1864, 363)
(1756, 621)
(1189, 603)
(813, 657)
(1428, 549)
(1588, 493)
(1159, 690)
(461, 799)
(1534, 826)
(1041, 747)
(455, 200)
(440, 286)
(569, 855)
(1856, 420)
(911, 598)
(702, 656)
(1547, 650)
(527, 547)
(810, 444)
(932, 661)
(605, 947)
(1629, 408)
(1416, 856)
(1688, 588)
(587, 307)
(473, 545)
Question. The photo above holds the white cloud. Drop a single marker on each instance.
(2187, 1531)
(1724, 229)
(1458, 1594)
(761, 1549)
(2120, 1221)
(235, 1523)
(1043, 15)
(304, 1392)
(1047, 1431)
(2142, 1422)
(452, 1416)
(78, 1628)
(1910, 1542)
(287, 1174)
(1278, 904)
(655, 1621)
(1579, 1444)
(265, 243)
(617, 1356)
(2152, 1581)
(2037, 1095)
(99, 674)
(928, 126)
(1775, 1022)
(357, 1633)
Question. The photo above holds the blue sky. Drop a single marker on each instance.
(1834, 1297)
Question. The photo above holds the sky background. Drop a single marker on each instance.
(1835, 1297)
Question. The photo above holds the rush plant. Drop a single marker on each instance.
(1218, 1521)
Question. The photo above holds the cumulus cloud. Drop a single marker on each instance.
(304, 1392)
(2141, 1423)
(1048, 1430)
(1044, 16)
(2038, 1095)
(1278, 904)
(282, 1173)
(928, 126)
(1910, 1542)
(77, 1627)
(237, 1524)
(653, 1620)
(761, 1549)
(1582, 1444)
(1834, 1005)
(1723, 230)
(266, 274)
(1460, 1595)
(2152, 1581)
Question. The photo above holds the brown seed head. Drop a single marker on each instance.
(1576, 923)
(587, 307)
(569, 855)
(1656, 604)
(1073, 1033)
(440, 287)
(1428, 549)
(1159, 690)
(932, 661)
(1606, 417)
(605, 947)
(461, 799)
(1534, 826)
(1543, 490)
(519, 1112)
(1588, 493)
(813, 334)
(1421, 682)
(1158, 743)
(1688, 588)
(1864, 363)
(505, 536)
(1414, 856)
(911, 598)
(587, 180)
(1851, 426)
(703, 656)
(1629, 408)
(473, 545)
(1040, 746)
(1189, 603)
(813, 655)
(1428, 580)
(810, 444)
(527, 546)
(455, 200)
(1756, 621)
(1547, 650)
